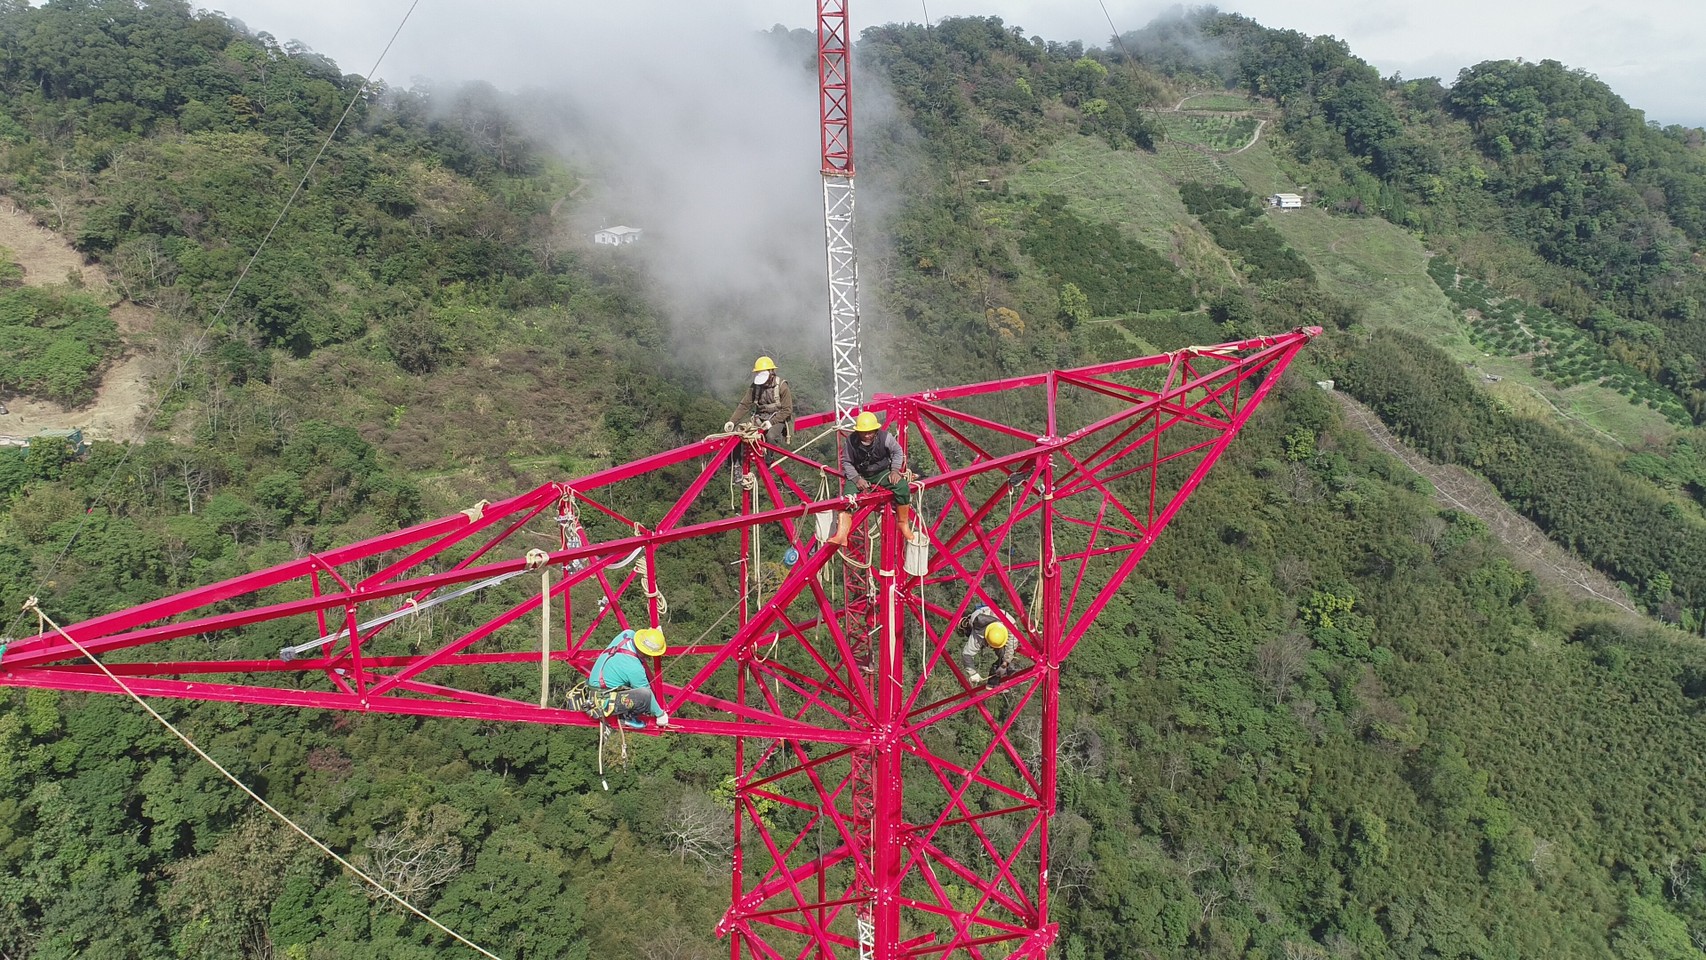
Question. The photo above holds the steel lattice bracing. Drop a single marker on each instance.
(1040, 496)
(843, 297)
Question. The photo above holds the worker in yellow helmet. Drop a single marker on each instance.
(619, 682)
(768, 404)
(984, 630)
(871, 457)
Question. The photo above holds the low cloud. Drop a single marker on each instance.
(691, 123)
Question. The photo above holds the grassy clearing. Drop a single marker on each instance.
(1203, 258)
(1367, 261)
(1378, 265)
(1385, 268)
(1591, 413)
(1216, 101)
(1125, 188)
(1260, 171)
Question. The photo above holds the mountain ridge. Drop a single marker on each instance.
(1329, 719)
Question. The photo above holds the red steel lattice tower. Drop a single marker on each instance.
(1039, 496)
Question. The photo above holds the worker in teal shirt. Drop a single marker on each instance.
(619, 671)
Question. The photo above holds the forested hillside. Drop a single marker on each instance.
(1330, 719)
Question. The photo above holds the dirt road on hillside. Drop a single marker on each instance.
(123, 397)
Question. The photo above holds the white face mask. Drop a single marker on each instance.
(760, 378)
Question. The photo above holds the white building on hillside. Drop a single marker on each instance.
(617, 236)
(1286, 201)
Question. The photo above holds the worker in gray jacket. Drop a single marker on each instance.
(984, 630)
(871, 457)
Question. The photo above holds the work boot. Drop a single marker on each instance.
(904, 516)
(843, 529)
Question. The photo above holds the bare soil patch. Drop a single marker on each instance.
(123, 396)
(45, 256)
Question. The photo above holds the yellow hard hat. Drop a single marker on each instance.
(995, 635)
(762, 364)
(650, 642)
(866, 422)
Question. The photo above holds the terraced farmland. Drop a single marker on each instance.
(1223, 133)
(1557, 349)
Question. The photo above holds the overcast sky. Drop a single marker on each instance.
(1652, 52)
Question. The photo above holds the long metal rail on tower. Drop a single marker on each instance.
(835, 112)
(835, 109)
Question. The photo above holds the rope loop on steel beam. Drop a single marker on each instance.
(747, 431)
(1221, 350)
(568, 519)
(648, 579)
(854, 562)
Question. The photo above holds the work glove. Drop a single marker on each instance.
(974, 678)
(663, 719)
(765, 425)
(729, 427)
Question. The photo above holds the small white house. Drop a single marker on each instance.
(617, 236)
(1286, 201)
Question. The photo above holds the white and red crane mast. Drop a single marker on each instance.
(835, 108)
